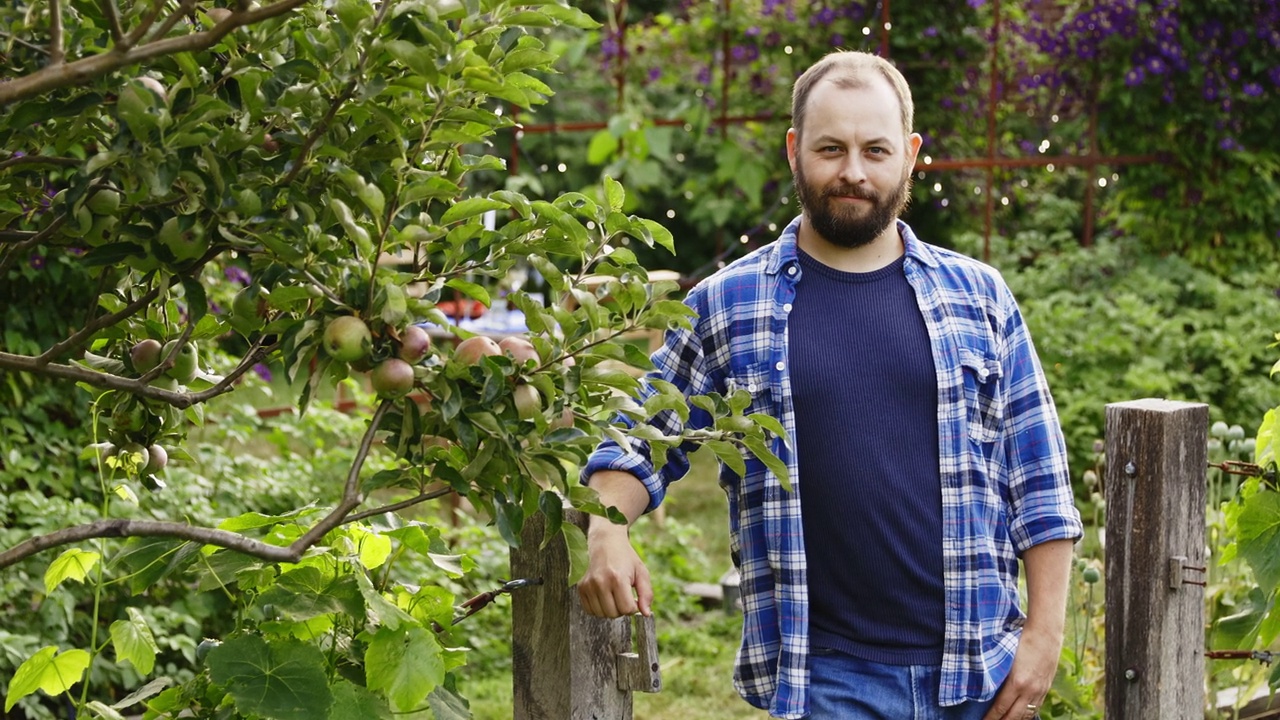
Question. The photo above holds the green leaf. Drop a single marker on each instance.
(47, 671)
(770, 423)
(571, 16)
(771, 461)
(74, 564)
(448, 704)
(576, 544)
(469, 208)
(729, 455)
(525, 58)
(352, 702)
(615, 193)
(661, 235)
(281, 680)
(134, 642)
(1258, 530)
(102, 710)
(601, 148)
(406, 665)
(470, 289)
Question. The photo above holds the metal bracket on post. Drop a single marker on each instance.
(639, 671)
(1178, 568)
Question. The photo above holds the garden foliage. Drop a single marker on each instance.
(206, 193)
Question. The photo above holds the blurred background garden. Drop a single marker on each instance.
(1116, 160)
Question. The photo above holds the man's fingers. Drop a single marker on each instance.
(644, 592)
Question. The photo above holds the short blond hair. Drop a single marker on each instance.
(851, 69)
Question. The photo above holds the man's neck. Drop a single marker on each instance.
(878, 253)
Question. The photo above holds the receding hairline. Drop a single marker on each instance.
(851, 69)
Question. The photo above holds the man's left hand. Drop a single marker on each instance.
(1034, 666)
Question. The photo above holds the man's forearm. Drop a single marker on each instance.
(1048, 568)
(621, 490)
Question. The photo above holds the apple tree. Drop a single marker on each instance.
(154, 149)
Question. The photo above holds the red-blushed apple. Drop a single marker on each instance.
(470, 351)
(347, 339)
(414, 344)
(392, 378)
(145, 355)
(528, 401)
(154, 86)
(158, 458)
(565, 420)
(519, 348)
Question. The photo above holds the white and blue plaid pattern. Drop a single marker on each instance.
(1002, 455)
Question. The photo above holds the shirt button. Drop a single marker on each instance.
(751, 387)
(786, 307)
(780, 365)
(791, 270)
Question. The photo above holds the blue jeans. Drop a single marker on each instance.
(843, 687)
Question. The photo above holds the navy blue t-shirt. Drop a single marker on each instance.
(865, 392)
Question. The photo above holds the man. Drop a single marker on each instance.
(924, 449)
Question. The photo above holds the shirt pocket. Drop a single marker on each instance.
(754, 380)
(983, 398)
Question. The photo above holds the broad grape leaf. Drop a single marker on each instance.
(47, 671)
(405, 665)
(281, 680)
(134, 642)
(74, 564)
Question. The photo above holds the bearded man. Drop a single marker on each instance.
(923, 445)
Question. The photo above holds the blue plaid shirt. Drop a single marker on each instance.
(1005, 485)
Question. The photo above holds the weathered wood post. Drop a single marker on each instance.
(1155, 491)
(566, 664)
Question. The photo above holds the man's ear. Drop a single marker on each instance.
(914, 141)
(792, 137)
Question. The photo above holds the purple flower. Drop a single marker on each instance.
(655, 74)
(1229, 144)
(1252, 89)
(975, 4)
(263, 372)
(1233, 72)
(931, 31)
(704, 75)
(1156, 66)
(37, 261)
(753, 31)
(837, 40)
(1239, 38)
(1134, 77)
(237, 274)
(1274, 75)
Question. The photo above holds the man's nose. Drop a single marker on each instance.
(852, 170)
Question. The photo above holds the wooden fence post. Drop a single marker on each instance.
(1155, 554)
(566, 664)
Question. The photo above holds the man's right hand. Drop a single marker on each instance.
(617, 582)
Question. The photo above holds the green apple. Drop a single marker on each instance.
(103, 202)
(528, 401)
(347, 339)
(186, 245)
(185, 364)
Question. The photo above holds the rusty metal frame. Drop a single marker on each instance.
(989, 162)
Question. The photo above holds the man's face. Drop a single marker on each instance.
(852, 164)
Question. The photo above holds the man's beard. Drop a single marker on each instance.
(846, 226)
